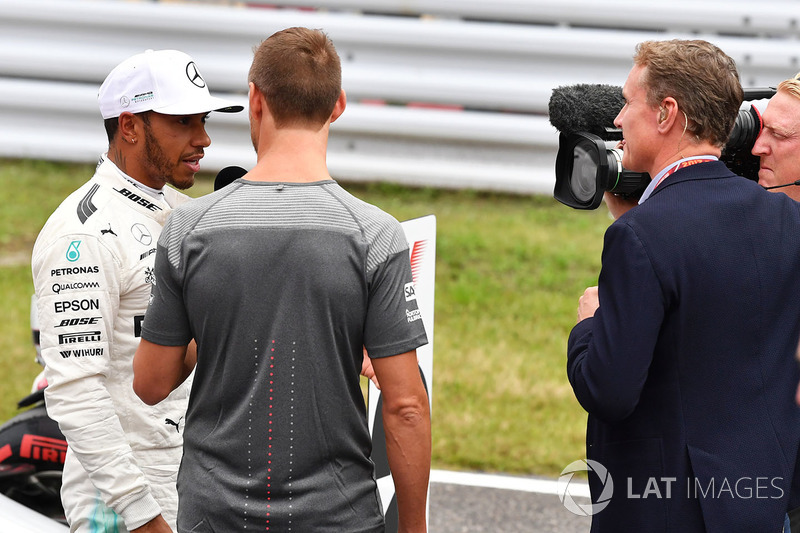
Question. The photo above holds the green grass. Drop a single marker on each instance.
(509, 272)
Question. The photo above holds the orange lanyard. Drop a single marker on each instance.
(683, 164)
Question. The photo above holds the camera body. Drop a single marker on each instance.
(586, 167)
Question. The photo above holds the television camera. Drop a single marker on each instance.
(588, 163)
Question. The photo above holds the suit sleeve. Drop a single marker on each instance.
(77, 287)
(609, 355)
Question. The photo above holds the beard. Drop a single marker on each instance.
(158, 164)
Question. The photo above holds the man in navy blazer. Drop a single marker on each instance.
(683, 356)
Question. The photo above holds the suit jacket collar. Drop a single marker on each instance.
(701, 171)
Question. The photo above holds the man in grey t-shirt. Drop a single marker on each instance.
(283, 277)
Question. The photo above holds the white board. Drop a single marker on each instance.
(421, 237)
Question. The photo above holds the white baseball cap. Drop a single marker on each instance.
(164, 81)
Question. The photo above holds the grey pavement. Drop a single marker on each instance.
(467, 509)
(454, 508)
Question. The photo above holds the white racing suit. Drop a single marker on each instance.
(92, 270)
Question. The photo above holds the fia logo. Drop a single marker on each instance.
(72, 252)
(410, 292)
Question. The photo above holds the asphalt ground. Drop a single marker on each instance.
(481, 504)
(459, 503)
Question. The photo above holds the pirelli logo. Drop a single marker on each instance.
(74, 338)
(43, 448)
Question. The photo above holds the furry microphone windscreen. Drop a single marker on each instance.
(585, 107)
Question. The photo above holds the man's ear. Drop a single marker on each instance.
(256, 101)
(127, 131)
(338, 108)
(667, 113)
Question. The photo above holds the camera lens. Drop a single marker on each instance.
(583, 179)
(745, 130)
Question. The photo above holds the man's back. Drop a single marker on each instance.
(283, 285)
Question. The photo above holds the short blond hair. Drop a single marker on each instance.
(791, 86)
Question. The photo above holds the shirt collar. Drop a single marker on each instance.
(158, 194)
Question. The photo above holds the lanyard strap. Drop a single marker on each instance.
(683, 164)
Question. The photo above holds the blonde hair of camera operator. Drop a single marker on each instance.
(791, 86)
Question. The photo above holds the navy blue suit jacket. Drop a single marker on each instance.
(688, 369)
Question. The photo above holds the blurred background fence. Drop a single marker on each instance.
(443, 93)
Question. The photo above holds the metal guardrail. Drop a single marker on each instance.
(739, 17)
(439, 101)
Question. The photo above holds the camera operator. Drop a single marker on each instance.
(683, 354)
(778, 145)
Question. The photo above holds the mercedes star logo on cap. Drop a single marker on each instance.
(194, 75)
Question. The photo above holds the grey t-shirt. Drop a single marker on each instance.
(281, 285)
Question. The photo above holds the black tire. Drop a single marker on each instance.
(32, 449)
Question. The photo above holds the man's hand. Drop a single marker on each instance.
(588, 303)
(367, 371)
(618, 205)
(156, 525)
